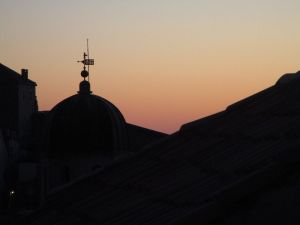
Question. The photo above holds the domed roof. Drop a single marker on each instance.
(85, 123)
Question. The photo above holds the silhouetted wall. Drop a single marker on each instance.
(3, 165)
(9, 106)
(27, 105)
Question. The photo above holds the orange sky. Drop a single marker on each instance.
(162, 63)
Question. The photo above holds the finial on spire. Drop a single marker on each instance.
(86, 62)
(84, 86)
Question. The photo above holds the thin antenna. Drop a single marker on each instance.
(88, 55)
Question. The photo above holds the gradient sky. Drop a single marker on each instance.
(161, 62)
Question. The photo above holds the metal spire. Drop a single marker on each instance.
(86, 62)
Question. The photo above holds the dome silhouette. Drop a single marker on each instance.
(84, 123)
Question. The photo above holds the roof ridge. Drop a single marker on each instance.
(14, 75)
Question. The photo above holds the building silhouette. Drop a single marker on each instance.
(18, 104)
(238, 166)
(44, 151)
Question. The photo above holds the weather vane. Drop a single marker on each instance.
(86, 62)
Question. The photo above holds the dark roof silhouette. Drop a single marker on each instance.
(289, 77)
(196, 175)
(85, 123)
(9, 76)
(138, 136)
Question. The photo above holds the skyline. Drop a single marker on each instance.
(162, 64)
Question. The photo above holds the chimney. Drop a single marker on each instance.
(24, 74)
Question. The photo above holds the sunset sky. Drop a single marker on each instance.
(163, 63)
